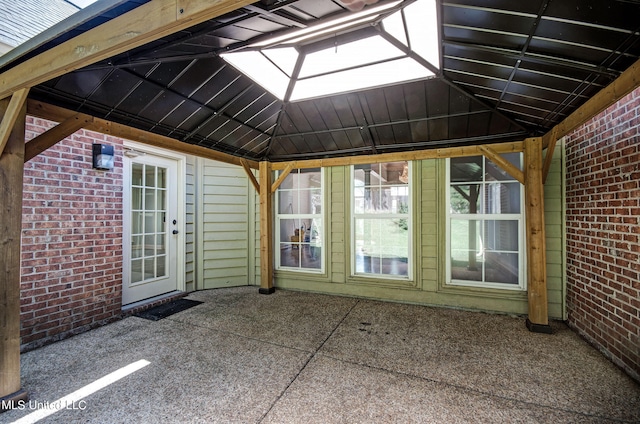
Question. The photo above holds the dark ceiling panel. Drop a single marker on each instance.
(497, 20)
(528, 7)
(316, 8)
(621, 14)
(115, 88)
(510, 70)
(483, 38)
(581, 35)
(81, 84)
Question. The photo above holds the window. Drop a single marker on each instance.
(381, 225)
(485, 224)
(300, 221)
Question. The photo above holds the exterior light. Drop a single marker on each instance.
(103, 157)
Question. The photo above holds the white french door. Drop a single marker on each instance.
(152, 227)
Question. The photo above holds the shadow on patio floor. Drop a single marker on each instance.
(308, 358)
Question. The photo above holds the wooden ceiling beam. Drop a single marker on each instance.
(146, 23)
(58, 114)
(447, 152)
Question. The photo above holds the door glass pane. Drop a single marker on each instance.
(136, 174)
(162, 178)
(149, 199)
(136, 270)
(136, 222)
(136, 198)
(161, 268)
(159, 222)
(149, 222)
(149, 245)
(162, 205)
(161, 244)
(150, 176)
(136, 247)
(149, 268)
(148, 234)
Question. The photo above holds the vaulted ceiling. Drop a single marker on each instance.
(509, 70)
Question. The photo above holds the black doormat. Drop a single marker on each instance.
(162, 311)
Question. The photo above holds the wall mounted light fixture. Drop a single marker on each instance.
(103, 156)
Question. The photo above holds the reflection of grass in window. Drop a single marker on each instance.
(460, 243)
(402, 223)
(394, 240)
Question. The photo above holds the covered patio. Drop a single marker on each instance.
(301, 357)
(504, 79)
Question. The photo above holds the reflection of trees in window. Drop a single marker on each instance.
(485, 222)
(381, 219)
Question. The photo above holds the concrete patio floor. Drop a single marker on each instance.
(306, 358)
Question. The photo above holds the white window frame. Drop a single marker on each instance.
(409, 218)
(283, 216)
(483, 217)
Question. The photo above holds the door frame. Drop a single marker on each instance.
(181, 175)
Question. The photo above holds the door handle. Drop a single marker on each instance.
(175, 231)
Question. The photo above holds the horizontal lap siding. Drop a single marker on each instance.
(554, 231)
(225, 221)
(428, 286)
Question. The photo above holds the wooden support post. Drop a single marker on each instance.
(266, 229)
(538, 320)
(11, 180)
(10, 114)
(252, 178)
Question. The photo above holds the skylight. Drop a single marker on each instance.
(382, 45)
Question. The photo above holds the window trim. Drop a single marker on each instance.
(278, 217)
(410, 220)
(483, 217)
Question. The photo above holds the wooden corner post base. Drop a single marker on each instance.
(538, 328)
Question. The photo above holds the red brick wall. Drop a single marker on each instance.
(603, 230)
(71, 239)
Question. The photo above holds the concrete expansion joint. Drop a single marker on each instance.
(309, 359)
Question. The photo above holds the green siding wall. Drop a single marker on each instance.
(555, 233)
(429, 253)
(224, 222)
